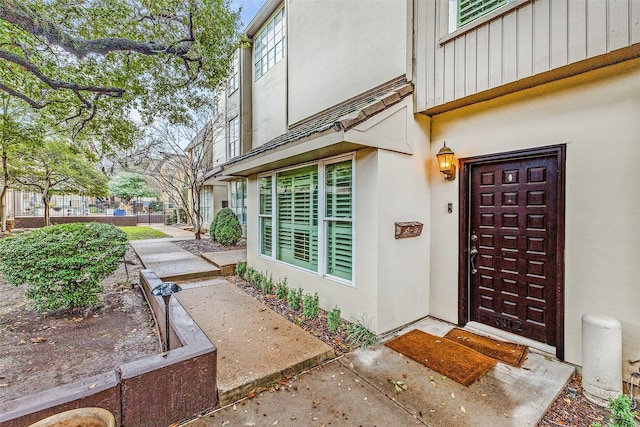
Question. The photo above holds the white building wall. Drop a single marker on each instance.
(596, 115)
(339, 49)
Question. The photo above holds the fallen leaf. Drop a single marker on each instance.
(4, 385)
(483, 394)
(430, 377)
(404, 375)
(566, 399)
(443, 377)
(453, 395)
(37, 340)
(225, 423)
(235, 407)
(432, 411)
(505, 415)
(92, 386)
(463, 410)
(275, 422)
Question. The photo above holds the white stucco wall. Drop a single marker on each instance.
(339, 49)
(597, 115)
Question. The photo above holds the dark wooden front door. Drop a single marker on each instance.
(513, 213)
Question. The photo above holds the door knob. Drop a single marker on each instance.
(472, 257)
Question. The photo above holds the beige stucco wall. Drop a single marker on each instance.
(390, 286)
(339, 49)
(597, 115)
(269, 102)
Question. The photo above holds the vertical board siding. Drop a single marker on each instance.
(534, 38)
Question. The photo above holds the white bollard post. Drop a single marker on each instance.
(601, 358)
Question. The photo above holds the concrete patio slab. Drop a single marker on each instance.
(256, 346)
(356, 389)
(329, 395)
(504, 396)
(172, 263)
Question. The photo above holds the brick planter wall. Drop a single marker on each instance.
(154, 391)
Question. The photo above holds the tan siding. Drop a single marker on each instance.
(531, 38)
(541, 36)
(525, 42)
(577, 31)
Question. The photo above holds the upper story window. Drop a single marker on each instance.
(467, 11)
(268, 45)
(234, 79)
(233, 130)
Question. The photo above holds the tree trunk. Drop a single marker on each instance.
(46, 199)
(3, 192)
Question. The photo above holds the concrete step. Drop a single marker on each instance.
(226, 260)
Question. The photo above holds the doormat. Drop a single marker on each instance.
(443, 355)
(507, 352)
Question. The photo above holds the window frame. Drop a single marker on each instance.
(234, 78)
(322, 219)
(270, 44)
(235, 143)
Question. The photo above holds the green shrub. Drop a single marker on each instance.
(621, 415)
(171, 218)
(282, 289)
(333, 320)
(294, 297)
(241, 269)
(212, 228)
(267, 285)
(63, 265)
(310, 305)
(227, 227)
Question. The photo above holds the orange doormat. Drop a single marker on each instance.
(444, 356)
(507, 352)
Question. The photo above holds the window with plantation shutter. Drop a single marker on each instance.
(338, 219)
(470, 10)
(297, 217)
(266, 215)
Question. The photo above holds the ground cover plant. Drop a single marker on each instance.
(62, 265)
(139, 233)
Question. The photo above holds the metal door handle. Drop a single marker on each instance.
(472, 257)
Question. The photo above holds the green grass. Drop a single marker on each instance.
(138, 233)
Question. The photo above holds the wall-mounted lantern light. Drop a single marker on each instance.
(446, 163)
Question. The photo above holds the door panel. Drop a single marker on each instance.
(513, 217)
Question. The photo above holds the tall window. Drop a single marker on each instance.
(305, 217)
(205, 204)
(238, 200)
(470, 10)
(269, 44)
(338, 218)
(265, 215)
(233, 130)
(234, 80)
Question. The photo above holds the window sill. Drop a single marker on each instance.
(483, 20)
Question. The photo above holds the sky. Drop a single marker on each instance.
(249, 9)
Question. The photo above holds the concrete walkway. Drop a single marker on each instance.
(356, 390)
(172, 263)
(256, 346)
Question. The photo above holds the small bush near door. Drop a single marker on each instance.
(226, 228)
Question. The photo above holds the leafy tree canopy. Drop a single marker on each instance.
(128, 185)
(91, 62)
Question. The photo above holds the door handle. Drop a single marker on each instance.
(472, 257)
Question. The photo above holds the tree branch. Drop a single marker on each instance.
(34, 104)
(30, 21)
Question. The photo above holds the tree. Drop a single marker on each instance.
(97, 60)
(129, 185)
(56, 167)
(181, 171)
